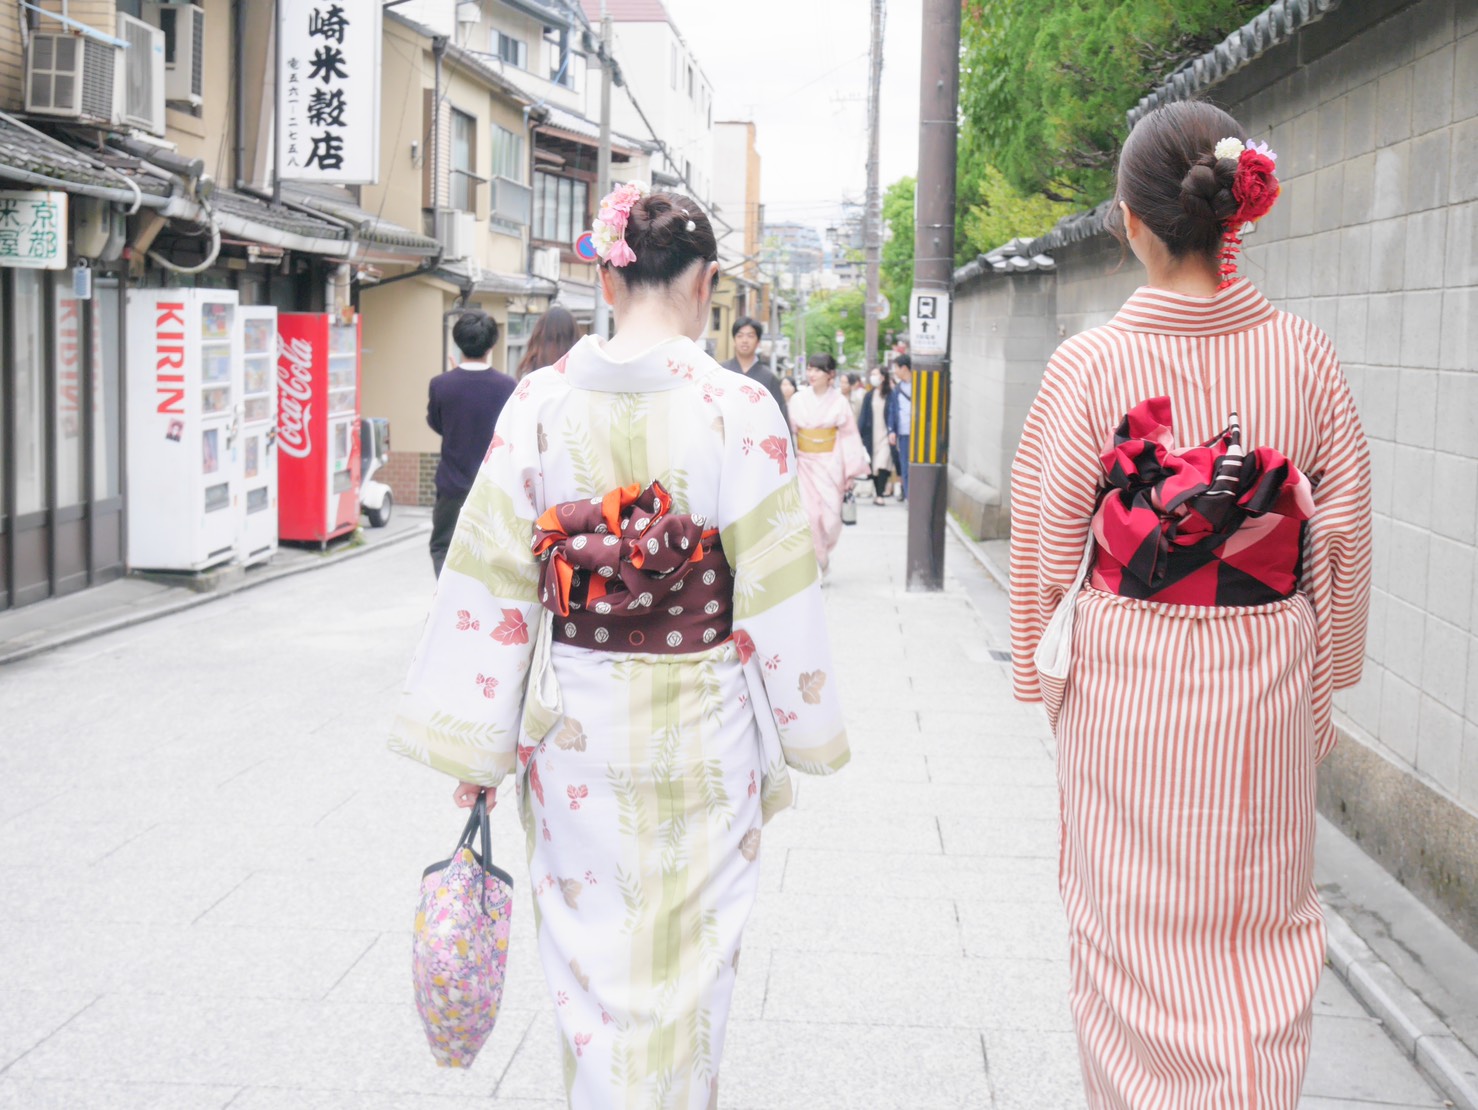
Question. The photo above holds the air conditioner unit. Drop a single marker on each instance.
(546, 263)
(184, 49)
(458, 232)
(141, 76)
(71, 76)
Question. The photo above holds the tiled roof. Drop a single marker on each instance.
(495, 281)
(368, 227)
(1015, 257)
(246, 207)
(628, 11)
(26, 155)
(567, 121)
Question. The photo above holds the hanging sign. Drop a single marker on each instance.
(328, 82)
(928, 321)
(33, 229)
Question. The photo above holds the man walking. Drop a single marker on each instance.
(747, 332)
(463, 409)
(899, 415)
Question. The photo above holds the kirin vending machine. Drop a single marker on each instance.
(184, 359)
(317, 426)
(257, 512)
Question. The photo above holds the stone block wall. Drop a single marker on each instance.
(1374, 114)
(411, 476)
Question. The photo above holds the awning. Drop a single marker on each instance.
(579, 298)
(28, 157)
(493, 281)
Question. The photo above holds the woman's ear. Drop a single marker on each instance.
(607, 284)
(1132, 225)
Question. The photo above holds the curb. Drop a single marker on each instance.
(128, 620)
(1421, 1034)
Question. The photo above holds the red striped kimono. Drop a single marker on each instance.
(1188, 735)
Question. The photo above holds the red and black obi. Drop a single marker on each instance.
(1206, 525)
(624, 573)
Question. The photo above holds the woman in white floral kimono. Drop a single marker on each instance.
(830, 453)
(629, 622)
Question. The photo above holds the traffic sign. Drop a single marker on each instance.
(929, 323)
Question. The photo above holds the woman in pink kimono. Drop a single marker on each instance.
(829, 450)
(1201, 459)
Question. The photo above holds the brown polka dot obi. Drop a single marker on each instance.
(624, 573)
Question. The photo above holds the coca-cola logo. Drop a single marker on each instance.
(294, 397)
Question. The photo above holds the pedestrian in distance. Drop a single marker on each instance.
(830, 453)
(900, 419)
(787, 391)
(873, 427)
(1192, 481)
(550, 341)
(587, 641)
(462, 407)
(747, 333)
(851, 387)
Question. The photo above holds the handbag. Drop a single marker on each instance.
(460, 948)
(849, 507)
(1054, 655)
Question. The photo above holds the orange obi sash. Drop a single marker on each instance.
(816, 441)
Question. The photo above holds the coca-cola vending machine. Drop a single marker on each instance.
(317, 426)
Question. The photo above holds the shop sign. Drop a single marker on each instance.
(329, 83)
(33, 229)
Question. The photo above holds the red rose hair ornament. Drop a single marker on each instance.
(1255, 188)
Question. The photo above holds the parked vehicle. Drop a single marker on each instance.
(374, 454)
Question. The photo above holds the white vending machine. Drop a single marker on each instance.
(184, 387)
(257, 517)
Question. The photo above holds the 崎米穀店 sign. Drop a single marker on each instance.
(328, 86)
(33, 229)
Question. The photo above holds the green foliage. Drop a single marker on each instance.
(896, 269)
(995, 213)
(827, 312)
(1044, 87)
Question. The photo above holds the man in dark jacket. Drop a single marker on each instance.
(747, 333)
(463, 409)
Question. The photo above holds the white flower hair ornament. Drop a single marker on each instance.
(608, 232)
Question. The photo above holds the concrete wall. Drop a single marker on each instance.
(1374, 113)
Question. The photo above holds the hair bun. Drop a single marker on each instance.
(1206, 190)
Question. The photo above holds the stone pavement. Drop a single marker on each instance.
(210, 864)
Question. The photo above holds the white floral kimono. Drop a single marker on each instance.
(644, 779)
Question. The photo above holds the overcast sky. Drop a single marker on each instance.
(798, 69)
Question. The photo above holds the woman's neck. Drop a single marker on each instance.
(821, 390)
(1187, 276)
(643, 323)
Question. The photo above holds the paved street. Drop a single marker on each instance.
(210, 864)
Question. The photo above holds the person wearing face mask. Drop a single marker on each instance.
(587, 641)
(872, 422)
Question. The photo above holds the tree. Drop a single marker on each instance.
(896, 270)
(995, 212)
(827, 312)
(1044, 87)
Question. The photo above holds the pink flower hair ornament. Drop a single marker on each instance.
(608, 233)
(1254, 187)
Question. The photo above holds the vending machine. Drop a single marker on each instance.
(317, 426)
(184, 360)
(257, 514)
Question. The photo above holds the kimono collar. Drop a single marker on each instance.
(1238, 307)
(667, 365)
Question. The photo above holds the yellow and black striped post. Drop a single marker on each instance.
(933, 279)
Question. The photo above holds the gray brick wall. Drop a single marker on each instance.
(1374, 113)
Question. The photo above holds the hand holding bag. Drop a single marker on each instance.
(460, 949)
(1054, 655)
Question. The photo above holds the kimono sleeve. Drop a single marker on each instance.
(779, 614)
(1054, 483)
(854, 452)
(462, 703)
(1337, 542)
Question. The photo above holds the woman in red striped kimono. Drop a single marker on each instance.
(1209, 445)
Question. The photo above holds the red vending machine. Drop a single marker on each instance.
(317, 426)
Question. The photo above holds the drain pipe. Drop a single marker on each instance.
(438, 52)
(238, 63)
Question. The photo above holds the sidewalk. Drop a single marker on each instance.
(127, 601)
(219, 860)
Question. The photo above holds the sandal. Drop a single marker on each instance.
(878, 501)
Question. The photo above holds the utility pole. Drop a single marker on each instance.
(872, 239)
(933, 286)
(603, 158)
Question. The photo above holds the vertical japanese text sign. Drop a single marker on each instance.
(328, 72)
(33, 230)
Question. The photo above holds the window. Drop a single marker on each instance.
(514, 52)
(565, 65)
(464, 156)
(674, 66)
(508, 157)
(516, 335)
(690, 82)
(561, 208)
